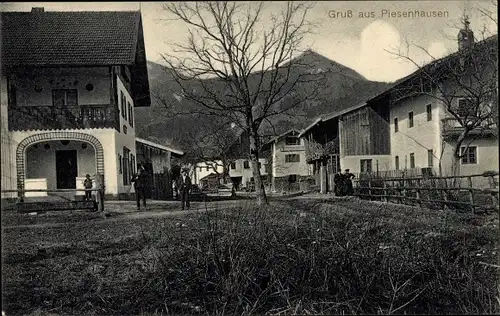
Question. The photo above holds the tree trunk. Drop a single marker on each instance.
(254, 159)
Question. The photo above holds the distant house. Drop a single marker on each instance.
(68, 98)
(288, 166)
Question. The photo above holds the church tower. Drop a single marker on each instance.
(465, 36)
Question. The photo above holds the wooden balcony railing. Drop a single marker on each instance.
(315, 150)
(452, 127)
(22, 118)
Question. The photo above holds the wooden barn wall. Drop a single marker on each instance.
(365, 132)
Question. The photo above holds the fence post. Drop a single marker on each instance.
(385, 191)
(418, 193)
(471, 194)
(403, 200)
(100, 193)
(369, 189)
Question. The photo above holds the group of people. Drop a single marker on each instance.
(182, 187)
(343, 183)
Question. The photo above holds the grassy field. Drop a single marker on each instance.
(300, 256)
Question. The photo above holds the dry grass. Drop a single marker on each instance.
(294, 257)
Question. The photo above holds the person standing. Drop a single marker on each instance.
(139, 180)
(348, 176)
(87, 184)
(184, 187)
(338, 181)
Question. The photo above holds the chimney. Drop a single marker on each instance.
(37, 9)
(465, 36)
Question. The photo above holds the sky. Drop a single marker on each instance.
(359, 42)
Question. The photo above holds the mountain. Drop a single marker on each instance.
(341, 87)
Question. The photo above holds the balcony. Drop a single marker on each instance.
(452, 128)
(23, 118)
(315, 150)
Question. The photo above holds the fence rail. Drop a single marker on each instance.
(433, 191)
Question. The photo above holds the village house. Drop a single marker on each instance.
(69, 84)
(407, 129)
(209, 173)
(288, 166)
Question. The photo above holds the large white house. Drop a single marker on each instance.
(288, 160)
(410, 126)
(68, 96)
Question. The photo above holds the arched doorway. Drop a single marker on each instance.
(56, 137)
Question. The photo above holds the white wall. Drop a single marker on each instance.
(41, 162)
(487, 157)
(280, 168)
(423, 136)
(246, 174)
(107, 139)
(7, 155)
(63, 78)
(353, 163)
(122, 139)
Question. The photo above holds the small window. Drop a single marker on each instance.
(120, 164)
(126, 166)
(233, 165)
(131, 115)
(292, 178)
(124, 101)
(430, 157)
(396, 162)
(292, 141)
(410, 119)
(366, 165)
(208, 168)
(412, 160)
(246, 164)
(292, 158)
(260, 165)
(396, 127)
(465, 107)
(64, 97)
(469, 155)
(428, 109)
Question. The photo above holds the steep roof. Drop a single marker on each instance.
(77, 38)
(69, 38)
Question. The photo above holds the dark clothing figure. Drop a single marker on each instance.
(184, 187)
(348, 182)
(338, 180)
(88, 186)
(139, 180)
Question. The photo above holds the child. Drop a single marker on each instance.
(88, 186)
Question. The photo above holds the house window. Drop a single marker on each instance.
(292, 141)
(396, 162)
(124, 100)
(366, 165)
(260, 165)
(233, 165)
(124, 129)
(131, 114)
(132, 164)
(292, 158)
(469, 155)
(208, 168)
(430, 157)
(120, 162)
(126, 166)
(410, 119)
(246, 165)
(396, 127)
(64, 97)
(428, 109)
(412, 160)
(292, 178)
(465, 107)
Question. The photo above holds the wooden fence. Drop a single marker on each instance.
(474, 192)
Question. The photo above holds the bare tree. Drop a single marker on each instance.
(464, 83)
(252, 60)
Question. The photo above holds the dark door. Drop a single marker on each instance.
(66, 169)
